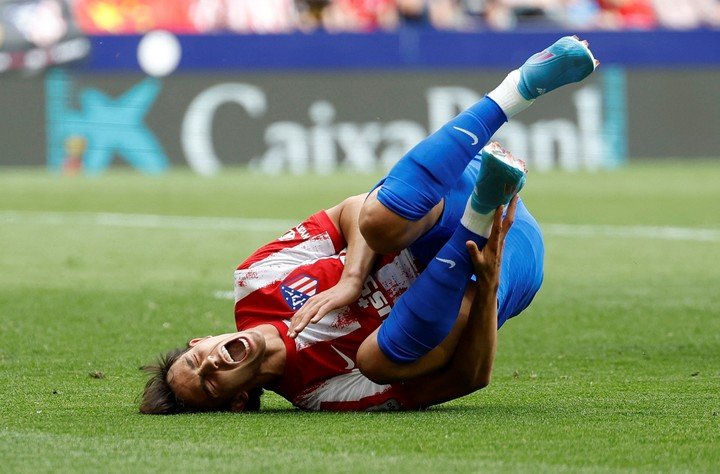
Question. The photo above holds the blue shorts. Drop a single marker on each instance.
(521, 274)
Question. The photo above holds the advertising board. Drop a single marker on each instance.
(323, 122)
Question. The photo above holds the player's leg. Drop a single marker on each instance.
(521, 274)
(409, 200)
(426, 313)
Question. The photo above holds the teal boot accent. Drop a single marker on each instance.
(568, 60)
(501, 177)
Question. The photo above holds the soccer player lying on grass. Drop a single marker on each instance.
(370, 304)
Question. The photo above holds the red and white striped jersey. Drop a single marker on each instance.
(320, 370)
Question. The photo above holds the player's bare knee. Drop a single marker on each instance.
(373, 364)
(370, 369)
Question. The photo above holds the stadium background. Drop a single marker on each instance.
(324, 86)
(132, 168)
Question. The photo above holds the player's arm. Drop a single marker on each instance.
(359, 260)
(470, 367)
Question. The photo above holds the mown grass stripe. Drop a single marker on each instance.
(153, 221)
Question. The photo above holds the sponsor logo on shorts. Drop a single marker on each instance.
(350, 363)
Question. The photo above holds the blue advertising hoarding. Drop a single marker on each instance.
(319, 103)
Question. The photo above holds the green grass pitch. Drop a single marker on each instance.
(615, 366)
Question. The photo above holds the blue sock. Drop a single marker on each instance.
(425, 314)
(427, 172)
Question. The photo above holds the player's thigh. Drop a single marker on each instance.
(387, 232)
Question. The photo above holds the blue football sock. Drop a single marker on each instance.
(425, 314)
(427, 172)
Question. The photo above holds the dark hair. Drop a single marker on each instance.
(158, 397)
(253, 402)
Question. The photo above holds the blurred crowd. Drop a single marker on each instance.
(43, 17)
(35, 34)
(368, 15)
(282, 16)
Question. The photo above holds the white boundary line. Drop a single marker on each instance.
(147, 221)
(694, 234)
(150, 221)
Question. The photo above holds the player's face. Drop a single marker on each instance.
(217, 369)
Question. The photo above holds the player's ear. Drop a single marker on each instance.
(193, 342)
(239, 402)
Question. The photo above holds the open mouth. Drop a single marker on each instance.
(235, 351)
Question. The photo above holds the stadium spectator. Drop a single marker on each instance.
(510, 14)
(359, 15)
(342, 291)
(243, 16)
(267, 16)
(437, 14)
(582, 14)
(310, 14)
(627, 14)
(688, 14)
(413, 14)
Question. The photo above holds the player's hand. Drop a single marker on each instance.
(342, 294)
(486, 262)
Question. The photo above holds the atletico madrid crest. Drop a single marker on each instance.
(297, 291)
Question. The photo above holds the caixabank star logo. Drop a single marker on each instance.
(87, 128)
